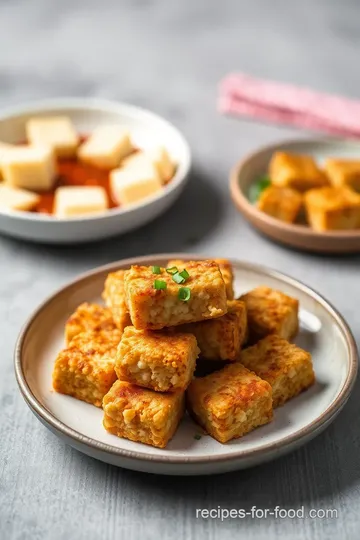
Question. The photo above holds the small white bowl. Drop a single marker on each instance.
(147, 129)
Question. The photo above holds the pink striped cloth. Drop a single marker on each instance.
(287, 104)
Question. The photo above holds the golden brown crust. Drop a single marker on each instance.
(343, 172)
(333, 208)
(230, 402)
(271, 312)
(154, 309)
(114, 296)
(164, 362)
(88, 317)
(285, 366)
(281, 203)
(296, 171)
(85, 370)
(142, 415)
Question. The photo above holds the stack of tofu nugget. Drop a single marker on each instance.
(137, 357)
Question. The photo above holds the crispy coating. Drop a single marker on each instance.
(285, 366)
(158, 360)
(225, 269)
(271, 312)
(142, 415)
(222, 338)
(88, 317)
(231, 402)
(281, 203)
(114, 296)
(296, 171)
(343, 172)
(154, 309)
(333, 208)
(85, 370)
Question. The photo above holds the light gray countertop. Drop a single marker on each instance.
(169, 57)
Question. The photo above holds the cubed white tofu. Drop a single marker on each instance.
(106, 147)
(131, 184)
(17, 199)
(158, 157)
(71, 201)
(4, 147)
(29, 167)
(57, 132)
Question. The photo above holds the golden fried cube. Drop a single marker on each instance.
(158, 360)
(271, 312)
(152, 308)
(225, 269)
(221, 338)
(296, 171)
(88, 317)
(281, 203)
(85, 369)
(142, 415)
(114, 296)
(333, 208)
(230, 403)
(285, 366)
(343, 172)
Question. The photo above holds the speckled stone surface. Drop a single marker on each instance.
(169, 57)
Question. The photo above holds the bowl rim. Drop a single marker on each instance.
(320, 422)
(242, 202)
(76, 103)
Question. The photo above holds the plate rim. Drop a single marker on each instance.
(95, 104)
(321, 421)
(248, 209)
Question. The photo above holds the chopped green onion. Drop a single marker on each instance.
(173, 270)
(159, 284)
(184, 294)
(156, 270)
(185, 274)
(260, 184)
(197, 437)
(178, 278)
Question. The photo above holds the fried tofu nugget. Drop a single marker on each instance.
(281, 203)
(271, 312)
(86, 368)
(161, 361)
(154, 308)
(333, 208)
(225, 269)
(296, 171)
(285, 366)
(142, 415)
(230, 403)
(88, 317)
(114, 296)
(343, 172)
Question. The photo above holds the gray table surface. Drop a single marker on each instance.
(169, 57)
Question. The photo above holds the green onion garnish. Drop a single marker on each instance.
(184, 294)
(160, 285)
(173, 270)
(197, 437)
(156, 270)
(178, 278)
(185, 274)
(260, 184)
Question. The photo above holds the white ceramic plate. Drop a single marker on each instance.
(147, 130)
(323, 332)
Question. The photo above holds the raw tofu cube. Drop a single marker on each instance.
(343, 172)
(153, 309)
(271, 312)
(231, 402)
(114, 296)
(71, 201)
(17, 199)
(296, 171)
(281, 203)
(333, 208)
(158, 157)
(221, 338)
(142, 415)
(4, 147)
(85, 370)
(56, 132)
(157, 360)
(86, 318)
(285, 366)
(133, 183)
(106, 147)
(225, 269)
(29, 167)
